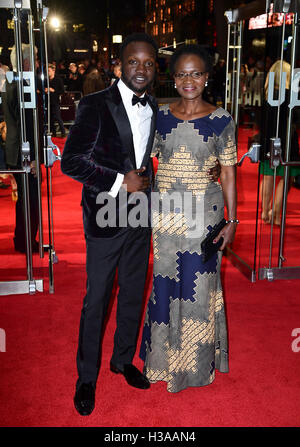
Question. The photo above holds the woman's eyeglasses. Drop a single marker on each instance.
(194, 75)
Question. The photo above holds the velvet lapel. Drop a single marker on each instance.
(118, 112)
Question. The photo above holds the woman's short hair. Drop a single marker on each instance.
(186, 50)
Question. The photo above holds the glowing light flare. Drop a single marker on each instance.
(55, 23)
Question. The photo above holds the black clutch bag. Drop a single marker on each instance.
(208, 248)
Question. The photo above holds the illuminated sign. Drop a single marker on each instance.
(270, 20)
(117, 38)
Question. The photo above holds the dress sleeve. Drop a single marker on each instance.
(226, 145)
(157, 144)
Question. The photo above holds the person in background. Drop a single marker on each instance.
(219, 82)
(268, 63)
(3, 185)
(74, 79)
(116, 72)
(266, 186)
(88, 65)
(3, 167)
(56, 88)
(3, 70)
(13, 154)
(81, 70)
(93, 82)
(103, 73)
(62, 70)
(100, 68)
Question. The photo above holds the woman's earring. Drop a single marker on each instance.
(175, 85)
(206, 83)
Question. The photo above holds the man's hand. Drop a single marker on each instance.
(134, 182)
(214, 173)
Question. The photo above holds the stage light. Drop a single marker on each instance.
(55, 23)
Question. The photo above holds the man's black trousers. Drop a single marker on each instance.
(127, 252)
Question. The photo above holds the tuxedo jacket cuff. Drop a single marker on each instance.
(117, 185)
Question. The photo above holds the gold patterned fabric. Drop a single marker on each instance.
(185, 337)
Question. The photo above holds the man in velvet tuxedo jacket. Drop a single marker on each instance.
(108, 149)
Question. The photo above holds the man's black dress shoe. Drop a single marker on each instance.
(132, 375)
(84, 399)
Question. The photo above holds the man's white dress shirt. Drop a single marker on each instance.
(140, 121)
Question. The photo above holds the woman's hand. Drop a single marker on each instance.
(228, 233)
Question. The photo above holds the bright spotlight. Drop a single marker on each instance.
(55, 22)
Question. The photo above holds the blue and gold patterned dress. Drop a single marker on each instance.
(185, 336)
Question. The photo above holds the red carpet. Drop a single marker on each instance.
(38, 371)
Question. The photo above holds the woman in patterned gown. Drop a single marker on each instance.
(185, 336)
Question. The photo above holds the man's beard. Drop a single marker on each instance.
(132, 87)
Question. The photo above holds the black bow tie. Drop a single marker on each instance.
(136, 99)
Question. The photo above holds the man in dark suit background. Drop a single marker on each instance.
(108, 150)
(13, 153)
(56, 88)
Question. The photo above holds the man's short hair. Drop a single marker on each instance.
(138, 37)
(52, 66)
